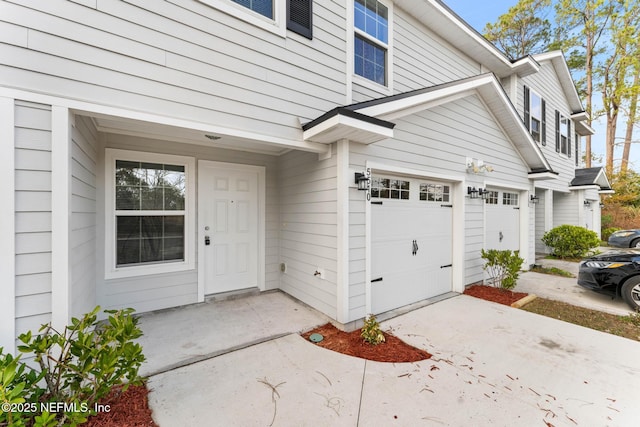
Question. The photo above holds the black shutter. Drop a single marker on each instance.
(569, 138)
(543, 124)
(527, 115)
(299, 17)
(557, 131)
(577, 148)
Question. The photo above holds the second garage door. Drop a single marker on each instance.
(502, 229)
(411, 241)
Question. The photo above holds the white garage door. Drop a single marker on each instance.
(502, 220)
(411, 241)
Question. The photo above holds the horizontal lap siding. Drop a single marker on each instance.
(540, 216)
(82, 240)
(421, 59)
(308, 228)
(33, 215)
(153, 292)
(180, 59)
(565, 208)
(546, 84)
(437, 141)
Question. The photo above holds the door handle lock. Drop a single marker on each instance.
(207, 240)
(501, 236)
(415, 248)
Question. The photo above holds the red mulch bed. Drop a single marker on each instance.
(128, 409)
(393, 349)
(490, 293)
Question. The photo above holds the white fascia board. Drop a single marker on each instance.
(93, 110)
(406, 106)
(584, 187)
(539, 176)
(606, 191)
(349, 124)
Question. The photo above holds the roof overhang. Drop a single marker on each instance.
(584, 187)
(343, 123)
(542, 176)
(592, 179)
(438, 17)
(581, 126)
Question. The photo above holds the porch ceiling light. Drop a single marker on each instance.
(363, 181)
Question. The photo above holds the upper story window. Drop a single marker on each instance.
(563, 134)
(535, 115)
(263, 7)
(372, 40)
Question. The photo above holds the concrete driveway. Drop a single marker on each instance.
(492, 365)
(566, 289)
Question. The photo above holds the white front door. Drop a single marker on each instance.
(228, 226)
(502, 220)
(411, 242)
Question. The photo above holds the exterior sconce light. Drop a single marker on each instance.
(534, 199)
(484, 193)
(587, 203)
(363, 181)
(473, 192)
(601, 205)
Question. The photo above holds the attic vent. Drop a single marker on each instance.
(299, 17)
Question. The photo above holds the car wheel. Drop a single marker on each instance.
(631, 292)
(635, 244)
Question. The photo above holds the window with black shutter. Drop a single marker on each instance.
(300, 17)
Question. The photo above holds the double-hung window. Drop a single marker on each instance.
(535, 115)
(371, 40)
(563, 134)
(149, 213)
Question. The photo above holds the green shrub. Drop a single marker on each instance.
(503, 267)
(371, 331)
(607, 232)
(570, 241)
(78, 366)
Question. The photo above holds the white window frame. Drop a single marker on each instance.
(564, 133)
(352, 31)
(277, 25)
(111, 270)
(533, 93)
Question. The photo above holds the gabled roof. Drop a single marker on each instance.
(439, 18)
(326, 129)
(591, 177)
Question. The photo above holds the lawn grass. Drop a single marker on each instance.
(555, 271)
(623, 326)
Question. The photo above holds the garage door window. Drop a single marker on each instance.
(385, 188)
(492, 198)
(434, 192)
(510, 199)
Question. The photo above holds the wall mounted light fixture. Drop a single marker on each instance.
(477, 193)
(534, 199)
(363, 181)
(587, 203)
(601, 205)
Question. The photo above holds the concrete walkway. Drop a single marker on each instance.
(492, 365)
(566, 289)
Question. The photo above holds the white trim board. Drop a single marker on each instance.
(7, 226)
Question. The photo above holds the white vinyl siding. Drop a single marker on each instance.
(154, 292)
(565, 208)
(308, 234)
(546, 83)
(179, 59)
(33, 215)
(82, 240)
(433, 141)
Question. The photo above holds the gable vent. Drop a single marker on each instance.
(299, 17)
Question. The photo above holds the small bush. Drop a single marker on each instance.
(371, 331)
(78, 365)
(570, 241)
(503, 267)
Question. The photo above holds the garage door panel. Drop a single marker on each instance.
(409, 277)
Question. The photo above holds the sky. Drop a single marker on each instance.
(478, 12)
